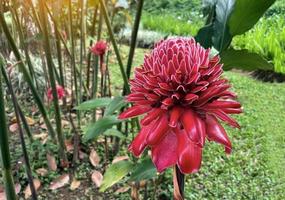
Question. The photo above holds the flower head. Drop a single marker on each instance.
(99, 48)
(60, 92)
(180, 90)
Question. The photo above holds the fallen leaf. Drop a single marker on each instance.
(40, 136)
(69, 145)
(120, 158)
(97, 178)
(82, 155)
(94, 158)
(75, 184)
(30, 121)
(3, 194)
(43, 126)
(64, 123)
(14, 120)
(122, 190)
(51, 162)
(59, 182)
(42, 171)
(28, 192)
(13, 127)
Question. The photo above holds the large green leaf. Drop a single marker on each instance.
(100, 126)
(244, 60)
(246, 13)
(115, 104)
(204, 36)
(94, 103)
(114, 132)
(115, 173)
(143, 171)
(222, 37)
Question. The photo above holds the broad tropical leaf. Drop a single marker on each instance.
(245, 60)
(246, 13)
(94, 103)
(144, 170)
(115, 173)
(100, 126)
(115, 104)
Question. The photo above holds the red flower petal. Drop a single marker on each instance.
(175, 114)
(152, 115)
(139, 143)
(224, 117)
(188, 119)
(164, 154)
(160, 128)
(189, 154)
(134, 111)
(217, 133)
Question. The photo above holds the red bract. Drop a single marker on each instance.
(60, 93)
(180, 89)
(99, 48)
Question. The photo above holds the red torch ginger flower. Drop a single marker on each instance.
(180, 89)
(60, 93)
(99, 48)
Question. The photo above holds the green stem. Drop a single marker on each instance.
(22, 116)
(116, 49)
(4, 146)
(26, 74)
(60, 135)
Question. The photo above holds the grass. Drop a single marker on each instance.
(267, 38)
(254, 169)
(167, 23)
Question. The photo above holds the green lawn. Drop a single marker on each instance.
(255, 167)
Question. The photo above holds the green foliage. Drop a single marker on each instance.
(143, 171)
(100, 126)
(115, 173)
(266, 39)
(242, 58)
(116, 104)
(167, 23)
(94, 103)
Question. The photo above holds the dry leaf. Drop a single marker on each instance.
(41, 136)
(3, 194)
(13, 127)
(30, 121)
(119, 158)
(14, 120)
(43, 126)
(28, 192)
(59, 182)
(97, 178)
(82, 155)
(75, 184)
(69, 145)
(94, 158)
(64, 123)
(42, 171)
(122, 190)
(51, 162)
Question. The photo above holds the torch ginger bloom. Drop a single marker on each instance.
(60, 93)
(99, 48)
(180, 89)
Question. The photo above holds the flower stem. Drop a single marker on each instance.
(178, 183)
(4, 149)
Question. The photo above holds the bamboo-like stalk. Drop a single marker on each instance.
(22, 116)
(89, 55)
(26, 74)
(134, 37)
(4, 146)
(21, 134)
(60, 135)
(23, 43)
(114, 43)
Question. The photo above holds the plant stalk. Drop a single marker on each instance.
(4, 146)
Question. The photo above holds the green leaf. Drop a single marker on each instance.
(114, 132)
(244, 60)
(204, 36)
(115, 104)
(115, 173)
(222, 37)
(246, 13)
(143, 171)
(100, 126)
(94, 103)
